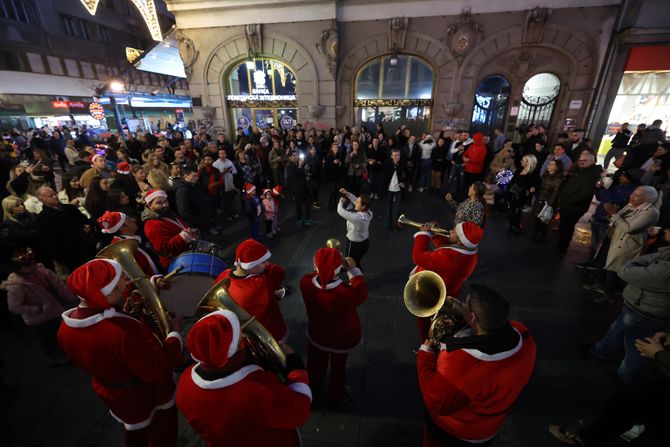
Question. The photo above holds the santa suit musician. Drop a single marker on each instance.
(166, 232)
(254, 284)
(334, 328)
(454, 259)
(473, 380)
(229, 400)
(130, 370)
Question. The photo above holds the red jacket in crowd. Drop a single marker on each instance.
(476, 154)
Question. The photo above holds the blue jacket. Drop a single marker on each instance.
(616, 194)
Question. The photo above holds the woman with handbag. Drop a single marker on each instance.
(521, 189)
(547, 199)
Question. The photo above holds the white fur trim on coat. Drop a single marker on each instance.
(117, 275)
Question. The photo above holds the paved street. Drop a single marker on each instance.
(55, 406)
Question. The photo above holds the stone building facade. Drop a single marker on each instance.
(327, 44)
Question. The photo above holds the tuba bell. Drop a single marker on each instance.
(123, 252)
(425, 296)
(263, 346)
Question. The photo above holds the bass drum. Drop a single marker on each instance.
(198, 270)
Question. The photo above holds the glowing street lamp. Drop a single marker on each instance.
(116, 86)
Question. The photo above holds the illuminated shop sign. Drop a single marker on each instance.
(261, 98)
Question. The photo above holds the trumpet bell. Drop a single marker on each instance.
(424, 294)
(333, 243)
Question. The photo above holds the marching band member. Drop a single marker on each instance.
(454, 259)
(254, 282)
(229, 400)
(131, 372)
(472, 382)
(168, 234)
(334, 328)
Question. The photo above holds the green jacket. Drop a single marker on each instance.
(648, 284)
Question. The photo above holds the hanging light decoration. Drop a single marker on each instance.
(146, 7)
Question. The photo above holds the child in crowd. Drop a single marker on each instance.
(252, 209)
(277, 194)
(269, 212)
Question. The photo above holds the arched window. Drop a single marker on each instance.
(395, 90)
(262, 93)
(490, 107)
(538, 99)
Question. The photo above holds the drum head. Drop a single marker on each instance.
(185, 294)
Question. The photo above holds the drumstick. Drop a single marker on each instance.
(174, 272)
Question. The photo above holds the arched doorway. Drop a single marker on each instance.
(262, 93)
(490, 105)
(395, 90)
(538, 100)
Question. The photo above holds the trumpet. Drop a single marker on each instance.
(402, 220)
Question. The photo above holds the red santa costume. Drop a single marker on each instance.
(131, 372)
(168, 235)
(255, 292)
(454, 263)
(468, 392)
(333, 327)
(229, 403)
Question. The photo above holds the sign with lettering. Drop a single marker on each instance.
(261, 97)
(286, 122)
(60, 104)
(96, 111)
(243, 122)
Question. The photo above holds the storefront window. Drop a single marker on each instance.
(490, 107)
(395, 90)
(262, 93)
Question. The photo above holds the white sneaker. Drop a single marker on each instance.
(410, 188)
(633, 433)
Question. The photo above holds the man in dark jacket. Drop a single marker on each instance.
(395, 182)
(619, 145)
(576, 196)
(193, 206)
(296, 183)
(576, 145)
(412, 155)
(64, 231)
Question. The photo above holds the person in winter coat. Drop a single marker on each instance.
(376, 155)
(356, 162)
(40, 297)
(334, 328)
(253, 209)
(296, 184)
(334, 173)
(473, 209)
(550, 187)
(520, 191)
(646, 311)
(427, 144)
(269, 213)
(211, 180)
(277, 160)
(395, 184)
(438, 165)
(193, 205)
(473, 159)
(575, 196)
(231, 401)
(21, 224)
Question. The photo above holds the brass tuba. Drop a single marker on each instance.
(402, 220)
(425, 295)
(123, 252)
(263, 346)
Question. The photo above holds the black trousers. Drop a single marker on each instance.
(638, 403)
(303, 202)
(357, 250)
(566, 227)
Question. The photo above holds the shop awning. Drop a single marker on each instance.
(645, 83)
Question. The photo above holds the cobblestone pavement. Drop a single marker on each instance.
(54, 406)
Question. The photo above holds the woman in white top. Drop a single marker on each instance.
(358, 222)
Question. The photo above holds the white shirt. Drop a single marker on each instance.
(426, 149)
(394, 186)
(222, 165)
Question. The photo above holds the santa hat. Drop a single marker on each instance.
(277, 190)
(214, 338)
(154, 194)
(249, 187)
(94, 280)
(251, 253)
(111, 221)
(123, 168)
(266, 190)
(93, 157)
(328, 263)
(470, 234)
